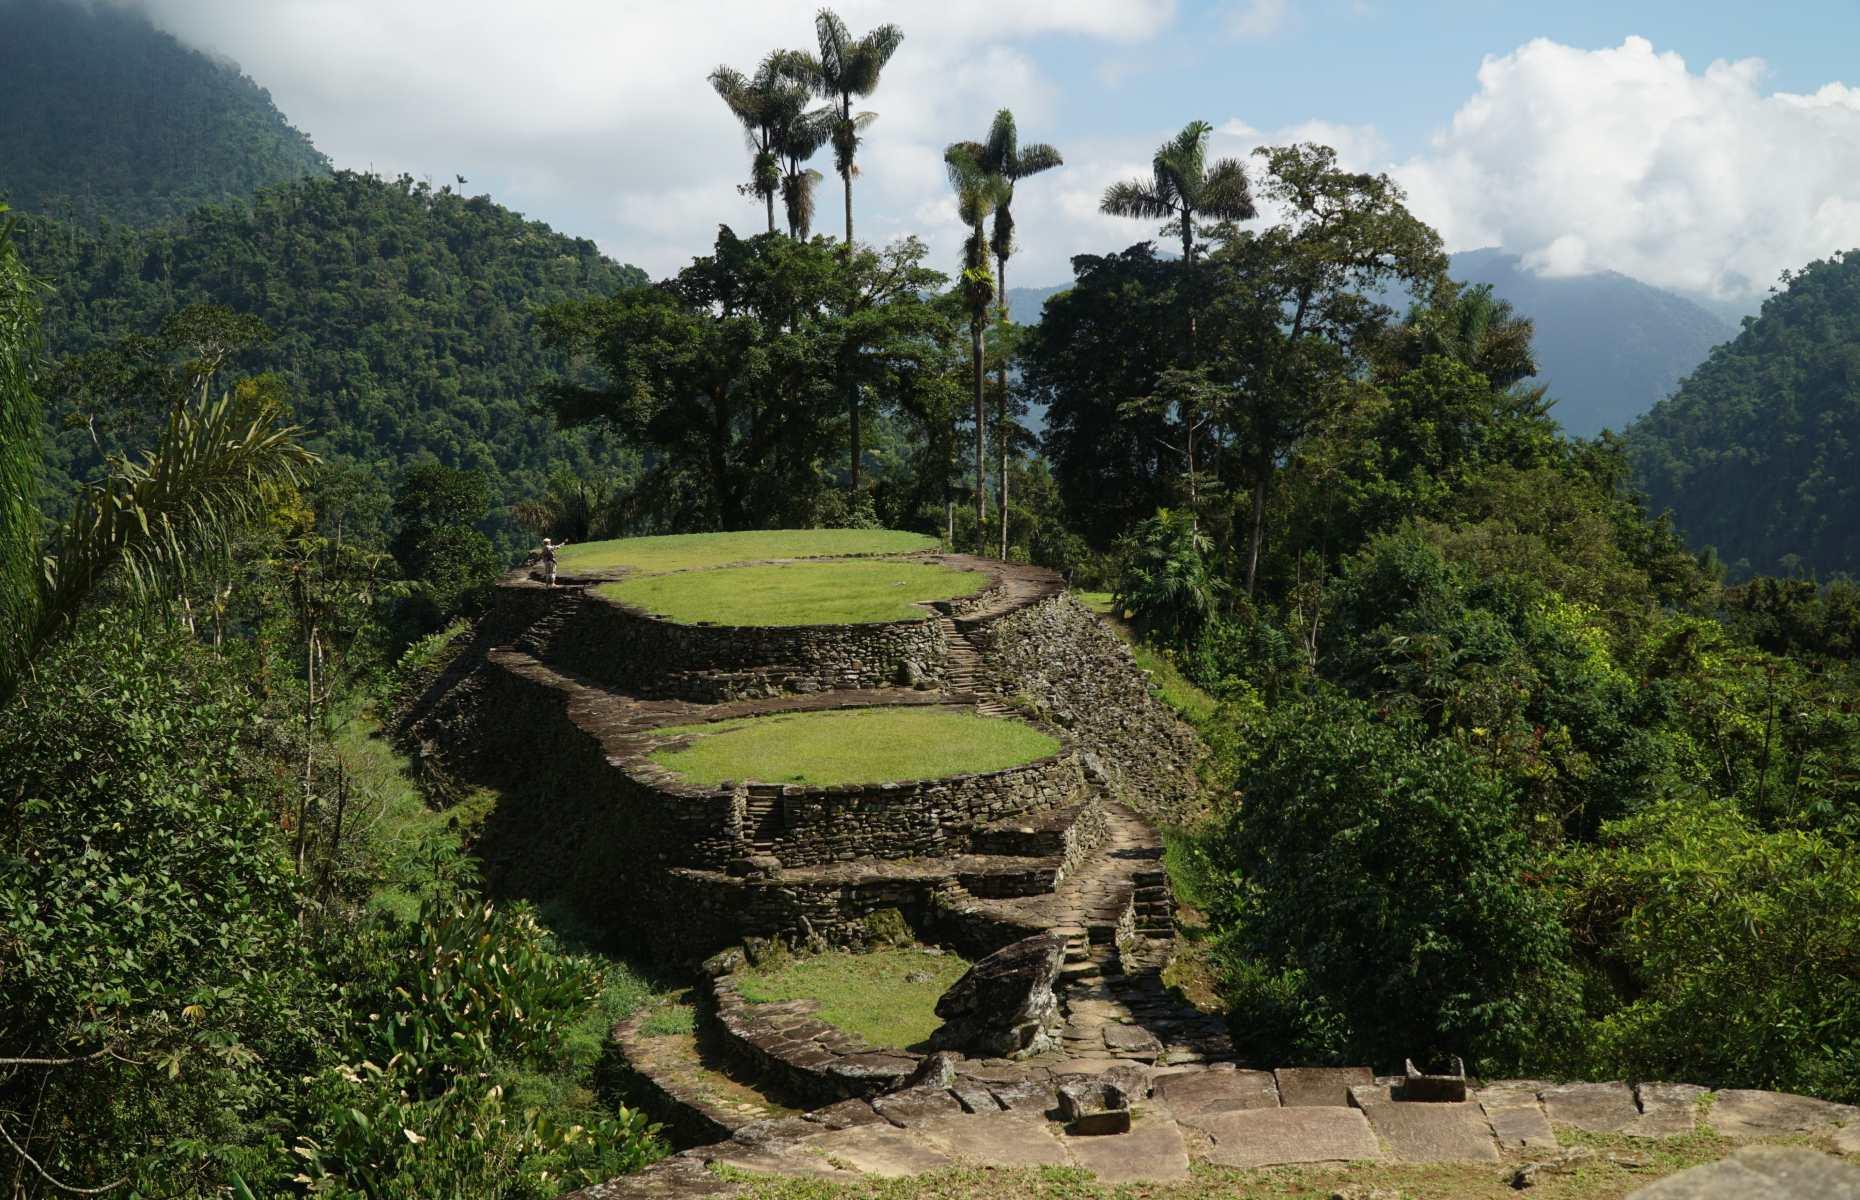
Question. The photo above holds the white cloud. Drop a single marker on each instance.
(1626, 159)
(1258, 18)
(594, 114)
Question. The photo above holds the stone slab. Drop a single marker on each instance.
(881, 1150)
(913, 1106)
(1131, 1039)
(995, 1140)
(1847, 1139)
(1592, 1107)
(1267, 1137)
(1666, 1109)
(1761, 1171)
(1025, 1096)
(1152, 1152)
(1446, 1131)
(1301, 1087)
(1517, 1119)
(844, 1115)
(1743, 1113)
(790, 1159)
(1196, 1093)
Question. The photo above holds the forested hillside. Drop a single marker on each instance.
(108, 117)
(401, 317)
(1758, 453)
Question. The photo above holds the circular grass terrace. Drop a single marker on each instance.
(852, 591)
(826, 747)
(685, 551)
(887, 996)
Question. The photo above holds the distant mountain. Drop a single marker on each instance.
(1024, 303)
(1609, 347)
(404, 317)
(105, 116)
(1758, 452)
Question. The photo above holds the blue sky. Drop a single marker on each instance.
(1702, 147)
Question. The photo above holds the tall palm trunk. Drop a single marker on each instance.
(846, 172)
(1001, 382)
(981, 448)
(852, 403)
(769, 198)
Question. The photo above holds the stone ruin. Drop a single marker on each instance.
(1064, 1047)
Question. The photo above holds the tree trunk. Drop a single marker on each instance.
(981, 439)
(846, 175)
(769, 199)
(1001, 382)
(1259, 525)
(852, 406)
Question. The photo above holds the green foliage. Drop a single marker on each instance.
(151, 919)
(114, 120)
(1379, 890)
(19, 449)
(449, 1005)
(735, 373)
(1755, 454)
(1166, 586)
(1717, 925)
(449, 562)
(403, 318)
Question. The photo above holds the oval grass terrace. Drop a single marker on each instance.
(830, 747)
(845, 591)
(691, 551)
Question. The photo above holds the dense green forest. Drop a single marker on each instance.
(401, 318)
(1498, 765)
(110, 119)
(1758, 452)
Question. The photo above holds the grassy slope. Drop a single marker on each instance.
(858, 745)
(674, 552)
(855, 591)
(887, 997)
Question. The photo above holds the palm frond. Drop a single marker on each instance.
(1134, 198)
(218, 466)
(1225, 194)
(999, 151)
(1031, 160)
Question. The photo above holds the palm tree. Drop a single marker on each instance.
(978, 193)
(759, 102)
(799, 134)
(849, 67)
(1183, 187)
(1002, 155)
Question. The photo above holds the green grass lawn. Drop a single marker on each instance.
(887, 997)
(845, 592)
(674, 552)
(853, 745)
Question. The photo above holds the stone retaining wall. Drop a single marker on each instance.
(709, 664)
(1077, 675)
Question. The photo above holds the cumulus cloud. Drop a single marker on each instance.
(1626, 159)
(1257, 18)
(594, 114)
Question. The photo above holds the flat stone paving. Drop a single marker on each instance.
(1268, 1137)
(1759, 1172)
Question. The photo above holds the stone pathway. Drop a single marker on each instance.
(1237, 1118)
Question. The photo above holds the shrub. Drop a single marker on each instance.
(1380, 897)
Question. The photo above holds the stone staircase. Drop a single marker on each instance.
(963, 671)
